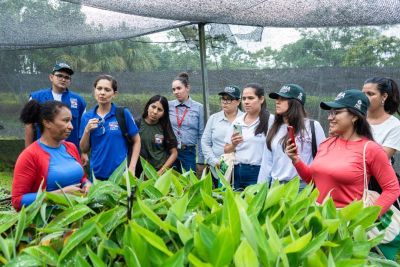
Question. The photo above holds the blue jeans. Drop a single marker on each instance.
(245, 175)
(186, 159)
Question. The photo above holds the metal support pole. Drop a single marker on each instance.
(204, 74)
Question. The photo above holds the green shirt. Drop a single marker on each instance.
(154, 146)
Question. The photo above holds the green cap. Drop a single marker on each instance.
(290, 91)
(353, 99)
(62, 66)
(232, 91)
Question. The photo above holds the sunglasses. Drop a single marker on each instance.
(101, 126)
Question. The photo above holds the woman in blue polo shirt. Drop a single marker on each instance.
(101, 133)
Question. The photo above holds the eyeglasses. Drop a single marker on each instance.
(335, 112)
(60, 76)
(226, 100)
(101, 125)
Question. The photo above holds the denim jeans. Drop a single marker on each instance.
(186, 159)
(245, 175)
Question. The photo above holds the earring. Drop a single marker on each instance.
(383, 102)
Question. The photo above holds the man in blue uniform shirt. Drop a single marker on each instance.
(60, 79)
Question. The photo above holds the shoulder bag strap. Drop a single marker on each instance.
(313, 139)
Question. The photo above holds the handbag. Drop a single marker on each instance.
(390, 220)
(227, 163)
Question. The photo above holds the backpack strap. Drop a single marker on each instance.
(313, 139)
(120, 115)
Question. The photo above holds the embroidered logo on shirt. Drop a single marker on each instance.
(340, 96)
(113, 125)
(74, 103)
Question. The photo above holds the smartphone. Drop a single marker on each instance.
(237, 129)
(290, 130)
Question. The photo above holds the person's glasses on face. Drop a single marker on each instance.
(334, 112)
(226, 100)
(61, 76)
(101, 125)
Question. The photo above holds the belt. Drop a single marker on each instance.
(183, 147)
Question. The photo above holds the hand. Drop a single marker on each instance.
(70, 189)
(218, 165)
(161, 171)
(199, 169)
(84, 159)
(92, 124)
(132, 169)
(86, 187)
(291, 151)
(236, 139)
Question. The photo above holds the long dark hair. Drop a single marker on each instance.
(389, 86)
(164, 120)
(361, 125)
(114, 84)
(295, 116)
(33, 112)
(264, 113)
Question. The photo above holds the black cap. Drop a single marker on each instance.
(232, 91)
(62, 66)
(352, 99)
(290, 91)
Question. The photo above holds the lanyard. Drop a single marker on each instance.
(180, 121)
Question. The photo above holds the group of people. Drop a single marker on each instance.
(60, 134)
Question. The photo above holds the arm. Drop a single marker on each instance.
(379, 166)
(206, 144)
(200, 156)
(135, 152)
(84, 144)
(29, 134)
(173, 154)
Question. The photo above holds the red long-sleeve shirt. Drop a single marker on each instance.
(338, 169)
(32, 167)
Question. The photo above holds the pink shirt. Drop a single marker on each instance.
(338, 169)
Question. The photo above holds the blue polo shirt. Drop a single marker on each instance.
(108, 145)
(76, 104)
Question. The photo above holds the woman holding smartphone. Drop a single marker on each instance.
(246, 136)
(289, 112)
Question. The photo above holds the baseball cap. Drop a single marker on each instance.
(290, 91)
(351, 98)
(232, 91)
(64, 67)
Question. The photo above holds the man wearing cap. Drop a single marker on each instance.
(60, 79)
(212, 141)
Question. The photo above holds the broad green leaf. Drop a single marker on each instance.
(184, 233)
(57, 199)
(9, 222)
(361, 249)
(179, 207)
(274, 196)
(118, 173)
(177, 260)
(367, 217)
(230, 217)
(132, 239)
(249, 230)
(80, 261)
(351, 211)
(154, 217)
(68, 216)
(78, 238)
(130, 257)
(245, 255)
(298, 244)
(344, 250)
(163, 183)
(315, 244)
(96, 260)
(148, 170)
(203, 241)
(257, 202)
(151, 238)
(20, 226)
(223, 248)
(315, 260)
(208, 200)
(24, 261)
(44, 254)
(197, 262)
(6, 248)
(177, 185)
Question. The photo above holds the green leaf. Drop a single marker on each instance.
(223, 248)
(208, 200)
(118, 173)
(44, 254)
(197, 262)
(184, 233)
(132, 239)
(94, 258)
(78, 238)
(151, 238)
(154, 218)
(298, 244)
(130, 257)
(80, 261)
(25, 261)
(148, 170)
(180, 206)
(315, 244)
(351, 211)
(245, 255)
(257, 202)
(67, 217)
(8, 222)
(230, 217)
(274, 196)
(177, 185)
(177, 260)
(6, 248)
(20, 226)
(163, 183)
(57, 199)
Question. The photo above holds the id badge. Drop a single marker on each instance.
(179, 144)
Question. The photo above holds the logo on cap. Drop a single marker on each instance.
(284, 89)
(229, 89)
(358, 104)
(300, 97)
(340, 95)
(63, 65)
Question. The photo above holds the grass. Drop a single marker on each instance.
(6, 180)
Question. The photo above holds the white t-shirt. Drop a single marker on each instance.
(276, 165)
(56, 96)
(387, 133)
(250, 150)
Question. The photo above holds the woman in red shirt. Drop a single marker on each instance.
(338, 166)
